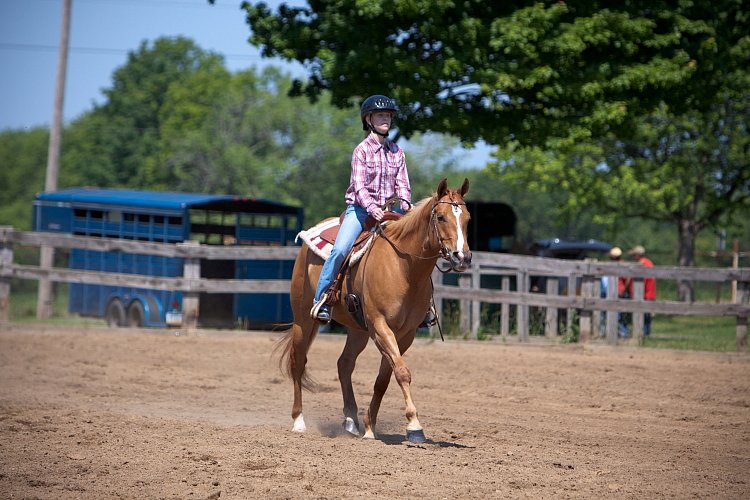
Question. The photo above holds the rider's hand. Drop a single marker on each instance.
(377, 213)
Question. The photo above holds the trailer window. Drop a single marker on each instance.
(212, 227)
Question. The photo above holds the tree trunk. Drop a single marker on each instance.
(686, 256)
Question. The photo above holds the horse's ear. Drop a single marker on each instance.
(465, 187)
(442, 188)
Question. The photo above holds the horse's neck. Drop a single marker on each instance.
(419, 242)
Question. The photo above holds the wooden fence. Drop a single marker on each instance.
(515, 273)
(582, 294)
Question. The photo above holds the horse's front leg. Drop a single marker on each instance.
(391, 349)
(355, 344)
(381, 385)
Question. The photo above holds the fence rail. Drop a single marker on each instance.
(581, 295)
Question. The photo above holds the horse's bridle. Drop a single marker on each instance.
(445, 252)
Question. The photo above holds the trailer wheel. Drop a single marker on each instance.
(115, 314)
(136, 315)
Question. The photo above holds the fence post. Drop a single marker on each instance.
(638, 289)
(550, 321)
(735, 265)
(596, 317)
(476, 306)
(45, 292)
(505, 308)
(572, 278)
(584, 321)
(613, 317)
(190, 300)
(743, 297)
(522, 310)
(464, 281)
(6, 260)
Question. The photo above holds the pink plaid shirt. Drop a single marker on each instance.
(378, 173)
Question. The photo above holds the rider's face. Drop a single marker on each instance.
(381, 120)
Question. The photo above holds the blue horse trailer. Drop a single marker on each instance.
(169, 217)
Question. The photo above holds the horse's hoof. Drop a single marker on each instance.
(299, 424)
(416, 436)
(350, 426)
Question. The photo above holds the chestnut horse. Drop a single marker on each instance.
(392, 280)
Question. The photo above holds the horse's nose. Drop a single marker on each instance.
(462, 258)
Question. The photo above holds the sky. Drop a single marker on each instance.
(102, 32)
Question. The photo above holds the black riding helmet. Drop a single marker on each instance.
(376, 103)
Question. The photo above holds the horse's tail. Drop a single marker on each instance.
(286, 349)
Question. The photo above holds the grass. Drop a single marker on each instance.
(23, 308)
(698, 333)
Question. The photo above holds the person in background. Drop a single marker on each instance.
(615, 255)
(638, 254)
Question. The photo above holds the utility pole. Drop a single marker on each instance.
(47, 254)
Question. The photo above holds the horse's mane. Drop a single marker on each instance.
(413, 219)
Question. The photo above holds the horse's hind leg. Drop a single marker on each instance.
(355, 344)
(297, 340)
(301, 336)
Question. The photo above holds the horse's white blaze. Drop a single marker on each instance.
(460, 240)
(299, 424)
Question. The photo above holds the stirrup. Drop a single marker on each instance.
(321, 311)
(430, 318)
(324, 314)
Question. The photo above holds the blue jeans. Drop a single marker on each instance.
(351, 226)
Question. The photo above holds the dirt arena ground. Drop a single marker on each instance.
(98, 414)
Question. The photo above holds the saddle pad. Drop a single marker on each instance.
(314, 238)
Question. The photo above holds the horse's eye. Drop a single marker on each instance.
(441, 218)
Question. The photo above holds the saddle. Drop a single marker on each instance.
(329, 234)
(333, 294)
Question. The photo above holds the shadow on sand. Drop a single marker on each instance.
(401, 439)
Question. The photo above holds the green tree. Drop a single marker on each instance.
(689, 170)
(500, 70)
(566, 88)
(176, 119)
(23, 156)
(165, 89)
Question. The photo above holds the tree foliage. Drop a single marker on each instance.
(636, 108)
(536, 73)
(176, 119)
(23, 158)
(690, 170)
(164, 90)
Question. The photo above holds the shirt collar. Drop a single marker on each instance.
(387, 145)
